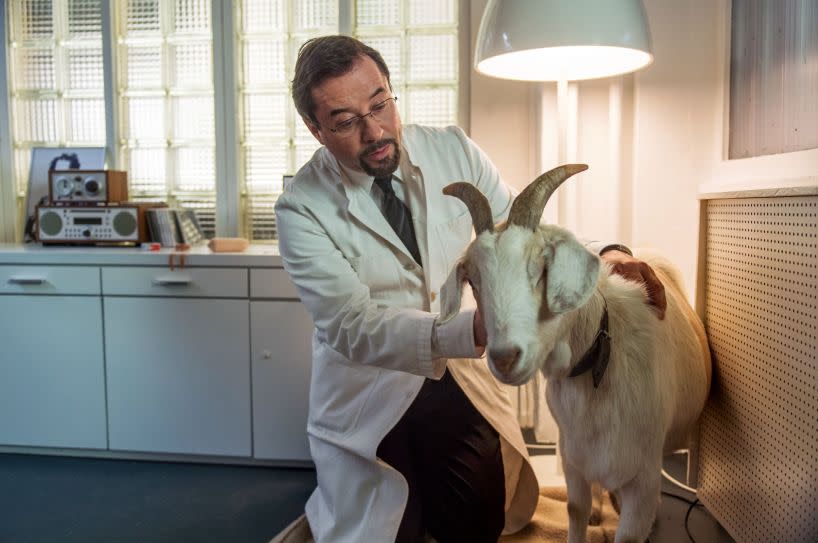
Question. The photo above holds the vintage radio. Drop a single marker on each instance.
(87, 186)
(93, 225)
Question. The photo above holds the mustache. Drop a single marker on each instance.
(372, 147)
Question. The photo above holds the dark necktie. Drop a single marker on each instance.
(399, 216)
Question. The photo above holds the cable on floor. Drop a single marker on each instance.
(672, 480)
(682, 498)
(687, 516)
(692, 503)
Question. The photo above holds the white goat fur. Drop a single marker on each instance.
(542, 292)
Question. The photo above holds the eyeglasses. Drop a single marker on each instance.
(347, 127)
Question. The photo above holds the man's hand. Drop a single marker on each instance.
(480, 335)
(635, 270)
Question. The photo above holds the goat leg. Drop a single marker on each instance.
(597, 498)
(579, 503)
(639, 500)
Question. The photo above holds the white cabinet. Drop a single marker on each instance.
(178, 375)
(110, 349)
(178, 360)
(281, 357)
(52, 388)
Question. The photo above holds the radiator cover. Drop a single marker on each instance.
(758, 463)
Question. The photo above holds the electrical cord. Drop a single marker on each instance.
(672, 480)
(692, 504)
(28, 230)
(680, 498)
(72, 158)
(687, 516)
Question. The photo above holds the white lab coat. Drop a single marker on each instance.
(370, 304)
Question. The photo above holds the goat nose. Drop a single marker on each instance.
(504, 359)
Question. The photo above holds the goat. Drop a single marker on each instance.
(549, 304)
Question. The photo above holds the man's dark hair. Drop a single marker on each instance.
(325, 57)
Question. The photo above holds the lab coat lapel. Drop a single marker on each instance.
(364, 209)
(433, 268)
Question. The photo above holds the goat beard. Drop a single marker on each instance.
(384, 167)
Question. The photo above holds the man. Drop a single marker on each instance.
(409, 432)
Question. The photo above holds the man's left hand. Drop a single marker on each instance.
(635, 270)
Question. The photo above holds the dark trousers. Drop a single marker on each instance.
(450, 455)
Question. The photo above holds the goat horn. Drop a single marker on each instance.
(528, 206)
(476, 202)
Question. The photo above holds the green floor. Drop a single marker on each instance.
(68, 500)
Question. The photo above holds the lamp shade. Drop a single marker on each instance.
(552, 40)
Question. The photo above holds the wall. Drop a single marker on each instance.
(677, 126)
(651, 138)
(501, 118)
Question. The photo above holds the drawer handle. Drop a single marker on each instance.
(172, 281)
(26, 280)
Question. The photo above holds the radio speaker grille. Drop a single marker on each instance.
(758, 470)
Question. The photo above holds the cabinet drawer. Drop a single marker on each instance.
(48, 280)
(205, 282)
(271, 283)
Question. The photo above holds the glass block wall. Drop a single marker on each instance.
(273, 140)
(166, 105)
(56, 77)
(417, 38)
(418, 41)
(164, 88)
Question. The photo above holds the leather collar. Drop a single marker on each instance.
(598, 354)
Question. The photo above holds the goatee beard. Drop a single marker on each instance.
(384, 167)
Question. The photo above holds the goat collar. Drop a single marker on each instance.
(596, 357)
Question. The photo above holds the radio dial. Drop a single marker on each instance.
(91, 185)
(65, 186)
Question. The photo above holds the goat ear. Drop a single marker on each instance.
(570, 277)
(451, 293)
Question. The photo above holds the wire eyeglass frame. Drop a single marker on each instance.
(349, 126)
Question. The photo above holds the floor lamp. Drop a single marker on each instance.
(563, 41)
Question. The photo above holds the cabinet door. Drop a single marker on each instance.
(281, 337)
(52, 388)
(178, 375)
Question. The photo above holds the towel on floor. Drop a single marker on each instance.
(550, 523)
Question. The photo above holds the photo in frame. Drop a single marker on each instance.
(189, 229)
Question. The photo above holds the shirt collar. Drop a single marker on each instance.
(364, 180)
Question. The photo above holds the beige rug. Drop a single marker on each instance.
(550, 523)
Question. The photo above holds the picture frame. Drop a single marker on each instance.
(190, 231)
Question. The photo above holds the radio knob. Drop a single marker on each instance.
(86, 233)
(91, 185)
(50, 223)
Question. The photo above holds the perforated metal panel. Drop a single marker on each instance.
(759, 437)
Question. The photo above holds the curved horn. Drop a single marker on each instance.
(528, 206)
(476, 202)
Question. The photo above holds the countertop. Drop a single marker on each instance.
(256, 256)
